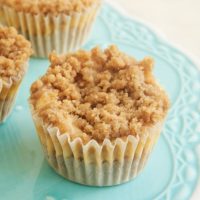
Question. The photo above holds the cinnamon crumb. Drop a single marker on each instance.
(14, 53)
(52, 6)
(99, 94)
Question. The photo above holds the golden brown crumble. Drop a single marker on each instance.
(14, 53)
(49, 6)
(99, 94)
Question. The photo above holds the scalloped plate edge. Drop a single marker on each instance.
(161, 35)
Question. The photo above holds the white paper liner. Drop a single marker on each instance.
(8, 93)
(2, 18)
(106, 164)
(62, 33)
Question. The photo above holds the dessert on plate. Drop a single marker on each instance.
(15, 51)
(98, 115)
(60, 25)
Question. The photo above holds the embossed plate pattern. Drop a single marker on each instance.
(173, 168)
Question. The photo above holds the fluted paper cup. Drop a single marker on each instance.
(2, 18)
(8, 93)
(105, 164)
(62, 33)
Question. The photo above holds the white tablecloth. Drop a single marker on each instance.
(179, 20)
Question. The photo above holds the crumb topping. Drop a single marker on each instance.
(50, 6)
(14, 53)
(99, 94)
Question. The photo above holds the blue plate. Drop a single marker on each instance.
(172, 171)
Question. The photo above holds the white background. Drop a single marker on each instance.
(178, 20)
